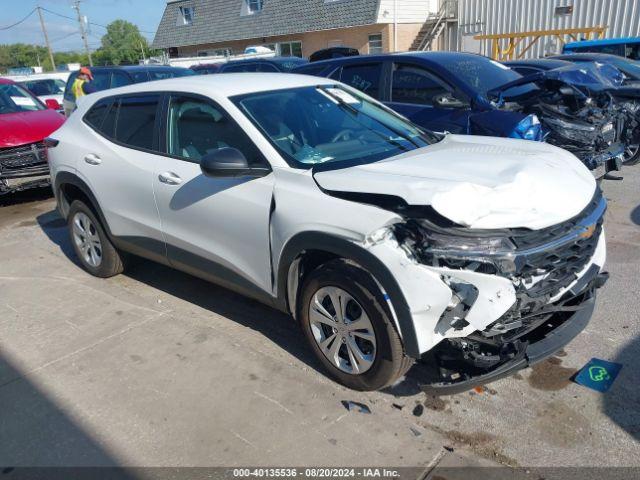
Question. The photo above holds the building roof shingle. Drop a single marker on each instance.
(221, 20)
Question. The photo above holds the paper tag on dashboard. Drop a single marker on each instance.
(23, 101)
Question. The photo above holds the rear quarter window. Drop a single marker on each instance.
(135, 125)
(96, 114)
(365, 78)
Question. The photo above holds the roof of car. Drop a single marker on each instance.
(588, 56)
(6, 81)
(549, 63)
(227, 85)
(433, 57)
(134, 68)
(276, 60)
(604, 41)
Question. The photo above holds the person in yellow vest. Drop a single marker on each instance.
(82, 84)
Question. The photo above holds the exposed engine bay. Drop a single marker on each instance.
(577, 111)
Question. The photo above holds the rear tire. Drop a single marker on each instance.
(356, 341)
(93, 248)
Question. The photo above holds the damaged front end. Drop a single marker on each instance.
(23, 167)
(577, 112)
(554, 273)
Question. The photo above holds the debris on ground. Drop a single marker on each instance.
(418, 410)
(355, 406)
(598, 374)
(416, 432)
(397, 406)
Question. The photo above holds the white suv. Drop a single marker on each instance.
(478, 256)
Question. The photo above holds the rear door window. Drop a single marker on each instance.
(101, 81)
(244, 67)
(135, 126)
(120, 79)
(267, 67)
(139, 77)
(365, 78)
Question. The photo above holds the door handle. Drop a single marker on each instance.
(170, 178)
(92, 159)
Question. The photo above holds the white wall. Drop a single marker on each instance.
(409, 11)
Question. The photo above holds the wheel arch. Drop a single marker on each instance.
(311, 249)
(69, 187)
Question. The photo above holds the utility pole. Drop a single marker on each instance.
(46, 38)
(83, 33)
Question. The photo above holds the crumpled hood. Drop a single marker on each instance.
(28, 127)
(479, 182)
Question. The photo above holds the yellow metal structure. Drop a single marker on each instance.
(516, 39)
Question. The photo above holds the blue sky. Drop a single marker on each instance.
(62, 32)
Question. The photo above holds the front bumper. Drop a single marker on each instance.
(538, 345)
(23, 167)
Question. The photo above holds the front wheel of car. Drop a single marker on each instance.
(631, 155)
(95, 251)
(349, 328)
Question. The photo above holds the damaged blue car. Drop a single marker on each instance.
(440, 91)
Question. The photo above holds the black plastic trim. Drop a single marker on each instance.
(534, 353)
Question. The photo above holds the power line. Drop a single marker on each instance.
(18, 23)
(90, 23)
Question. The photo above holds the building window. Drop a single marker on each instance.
(185, 16)
(253, 6)
(375, 43)
(290, 49)
(218, 52)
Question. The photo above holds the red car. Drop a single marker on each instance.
(24, 124)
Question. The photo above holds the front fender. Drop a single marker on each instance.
(494, 123)
(319, 241)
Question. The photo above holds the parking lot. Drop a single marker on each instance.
(157, 368)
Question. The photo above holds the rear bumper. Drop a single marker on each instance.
(546, 343)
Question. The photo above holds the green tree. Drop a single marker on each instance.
(122, 44)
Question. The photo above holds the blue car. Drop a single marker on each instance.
(440, 91)
(621, 79)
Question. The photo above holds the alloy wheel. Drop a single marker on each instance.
(342, 330)
(85, 236)
(630, 152)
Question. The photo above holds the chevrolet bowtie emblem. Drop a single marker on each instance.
(588, 231)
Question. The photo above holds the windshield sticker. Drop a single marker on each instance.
(343, 96)
(23, 101)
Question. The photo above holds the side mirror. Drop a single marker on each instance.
(447, 100)
(229, 162)
(52, 104)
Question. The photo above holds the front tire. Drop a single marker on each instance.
(631, 155)
(349, 329)
(93, 248)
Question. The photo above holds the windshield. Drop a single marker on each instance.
(15, 99)
(312, 125)
(51, 86)
(630, 68)
(483, 75)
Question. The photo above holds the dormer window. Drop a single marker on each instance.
(253, 6)
(185, 16)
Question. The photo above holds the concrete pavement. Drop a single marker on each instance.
(157, 368)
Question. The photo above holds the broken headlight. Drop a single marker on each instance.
(579, 132)
(469, 246)
(529, 128)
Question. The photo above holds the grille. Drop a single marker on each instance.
(559, 253)
(25, 156)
